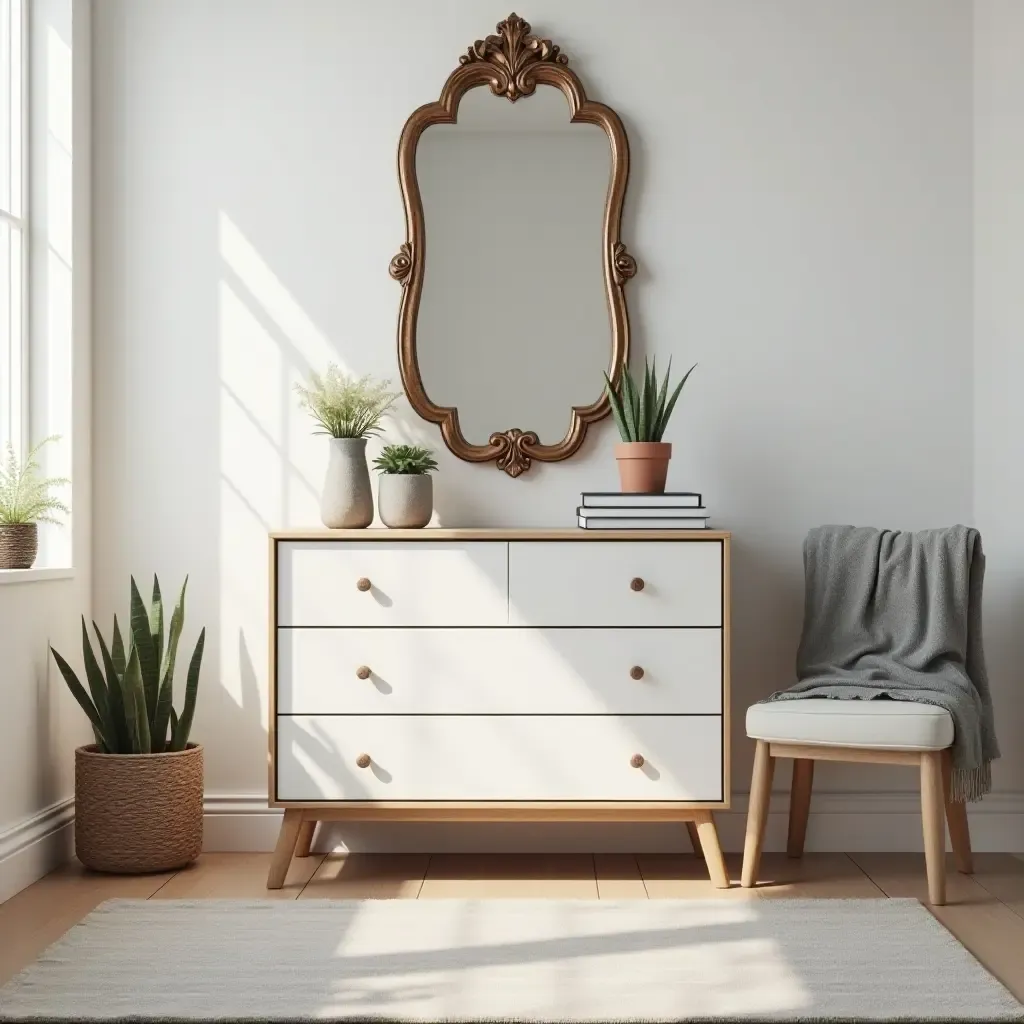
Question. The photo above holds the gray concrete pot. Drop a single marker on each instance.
(347, 499)
(405, 500)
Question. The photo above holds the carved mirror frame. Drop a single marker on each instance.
(512, 63)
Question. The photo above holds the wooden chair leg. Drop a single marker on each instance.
(933, 821)
(956, 818)
(799, 805)
(286, 840)
(757, 814)
(691, 831)
(305, 840)
(707, 835)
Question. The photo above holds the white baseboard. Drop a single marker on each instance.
(844, 822)
(35, 846)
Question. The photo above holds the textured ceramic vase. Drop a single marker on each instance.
(643, 466)
(405, 500)
(347, 499)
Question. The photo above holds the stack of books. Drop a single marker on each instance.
(608, 510)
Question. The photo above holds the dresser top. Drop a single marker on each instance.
(437, 533)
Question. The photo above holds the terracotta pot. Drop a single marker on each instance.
(643, 466)
(19, 545)
(136, 813)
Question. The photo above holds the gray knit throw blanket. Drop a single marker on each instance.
(898, 615)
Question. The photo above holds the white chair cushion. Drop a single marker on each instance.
(826, 721)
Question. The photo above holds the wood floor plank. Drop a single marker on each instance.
(618, 877)
(377, 876)
(520, 875)
(987, 927)
(1002, 874)
(237, 876)
(815, 876)
(684, 876)
(37, 916)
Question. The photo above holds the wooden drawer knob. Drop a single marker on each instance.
(363, 671)
(362, 584)
(363, 760)
(636, 672)
(637, 760)
(636, 583)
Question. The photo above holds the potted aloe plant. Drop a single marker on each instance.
(405, 494)
(349, 410)
(641, 414)
(139, 787)
(25, 501)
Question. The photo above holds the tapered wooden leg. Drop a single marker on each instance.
(305, 840)
(757, 813)
(956, 818)
(286, 840)
(707, 835)
(933, 807)
(799, 805)
(691, 831)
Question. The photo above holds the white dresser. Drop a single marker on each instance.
(497, 675)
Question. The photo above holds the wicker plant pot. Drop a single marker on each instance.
(19, 545)
(138, 812)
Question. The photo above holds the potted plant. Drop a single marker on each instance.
(641, 414)
(139, 787)
(405, 494)
(25, 501)
(349, 410)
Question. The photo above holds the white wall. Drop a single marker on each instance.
(41, 725)
(800, 206)
(999, 355)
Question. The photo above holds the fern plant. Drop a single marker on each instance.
(129, 700)
(405, 459)
(25, 493)
(642, 413)
(345, 406)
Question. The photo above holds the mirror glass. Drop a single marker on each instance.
(513, 325)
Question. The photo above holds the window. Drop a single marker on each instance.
(13, 262)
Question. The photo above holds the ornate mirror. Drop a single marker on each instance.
(512, 272)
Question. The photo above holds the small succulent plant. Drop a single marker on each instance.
(407, 459)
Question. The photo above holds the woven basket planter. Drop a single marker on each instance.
(19, 545)
(136, 813)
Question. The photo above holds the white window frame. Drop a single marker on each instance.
(14, 410)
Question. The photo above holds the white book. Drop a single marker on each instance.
(615, 499)
(679, 512)
(676, 523)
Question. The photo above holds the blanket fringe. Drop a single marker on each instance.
(970, 784)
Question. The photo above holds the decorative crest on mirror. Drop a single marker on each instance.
(512, 63)
(513, 52)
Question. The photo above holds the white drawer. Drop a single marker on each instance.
(499, 757)
(418, 583)
(499, 671)
(581, 583)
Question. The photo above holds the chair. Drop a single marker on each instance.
(876, 731)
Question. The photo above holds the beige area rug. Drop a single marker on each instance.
(507, 960)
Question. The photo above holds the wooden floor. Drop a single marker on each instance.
(985, 911)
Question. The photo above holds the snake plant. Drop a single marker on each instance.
(129, 700)
(642, 413)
